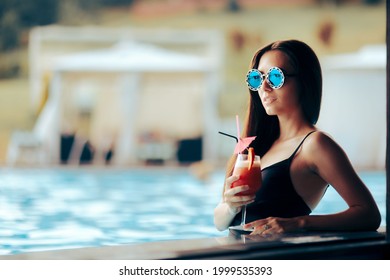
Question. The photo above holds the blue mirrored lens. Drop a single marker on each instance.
(276, 78)
(254, 79)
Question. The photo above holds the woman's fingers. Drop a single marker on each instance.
(238, 189)
(229, 181)
(255, 224)
(234, 195)
(270, 225)
(234, 200)
(259, 227)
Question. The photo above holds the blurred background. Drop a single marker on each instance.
(131, 82)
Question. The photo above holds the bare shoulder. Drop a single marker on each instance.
(321, 149)
(321, 141)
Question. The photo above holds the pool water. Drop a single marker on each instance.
(46, 209)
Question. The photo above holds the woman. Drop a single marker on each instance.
(298, 161)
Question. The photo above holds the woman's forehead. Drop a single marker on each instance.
(274, 58)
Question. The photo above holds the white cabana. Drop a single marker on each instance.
(131, 88)
(141, 108)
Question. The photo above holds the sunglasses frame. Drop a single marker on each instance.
(266, 78)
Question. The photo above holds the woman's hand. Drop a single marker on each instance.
(232, 197)
(274, 225)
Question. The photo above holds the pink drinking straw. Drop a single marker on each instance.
(243, 143)
(238, 129)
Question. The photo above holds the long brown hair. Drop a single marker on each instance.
(309, 77)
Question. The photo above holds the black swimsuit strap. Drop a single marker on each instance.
(300, 144)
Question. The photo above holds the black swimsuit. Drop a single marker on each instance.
(277, 196)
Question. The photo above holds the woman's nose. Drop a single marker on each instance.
(265, 87)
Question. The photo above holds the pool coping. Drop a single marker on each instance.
(311, 245)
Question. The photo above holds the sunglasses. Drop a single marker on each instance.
(274, 77)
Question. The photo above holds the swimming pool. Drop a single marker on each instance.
(46, 209)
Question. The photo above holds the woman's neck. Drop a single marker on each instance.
(293, 126)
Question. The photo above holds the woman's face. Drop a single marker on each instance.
(284, 100)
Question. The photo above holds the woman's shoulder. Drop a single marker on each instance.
(319, 137)
(320, 142)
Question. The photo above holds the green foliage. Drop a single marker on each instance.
(9, 23)
(37, 12)
(17, 15)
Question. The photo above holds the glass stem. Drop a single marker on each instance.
(243, 215)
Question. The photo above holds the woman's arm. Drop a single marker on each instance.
(329, 161)
(224, 215)
(231, 203)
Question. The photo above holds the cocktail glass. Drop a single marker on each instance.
(248, 168)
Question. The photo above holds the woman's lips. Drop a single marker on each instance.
(268, 100)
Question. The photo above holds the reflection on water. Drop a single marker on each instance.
(57, 209)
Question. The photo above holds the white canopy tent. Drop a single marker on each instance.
(147, 87)
(132, 61)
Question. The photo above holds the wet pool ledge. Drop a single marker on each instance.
(315, 245)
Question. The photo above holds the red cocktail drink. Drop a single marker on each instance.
(250, 177)
(248, 169)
